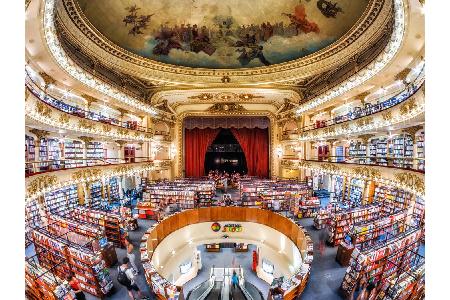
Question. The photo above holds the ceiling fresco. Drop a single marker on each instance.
(223, 33)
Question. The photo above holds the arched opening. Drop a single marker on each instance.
(225, 154)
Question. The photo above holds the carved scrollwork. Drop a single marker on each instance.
(43, 109)
(42, 182)
(411, 180)
(85, 124)
(88, 174)
(366, 172)
(406, 108)
(226, 107)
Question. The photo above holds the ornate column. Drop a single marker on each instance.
(412, 132)
(122, 113)
(89, 101)
(86, 140)
(121, 143)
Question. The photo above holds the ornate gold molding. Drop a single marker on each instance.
(202, 96)
(365, 137)
(43, 110)
(366, 172)
(85, 124)
(41, 183)
(47, 79)
(86, 139)
(87, 175)
(121, 142)
(412, 130)
(387, 116)
(180, 139)
(40, 134)
(406, 108)
(226, 107)
(411, 180)
(64, 118)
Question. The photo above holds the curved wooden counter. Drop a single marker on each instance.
(154, 235)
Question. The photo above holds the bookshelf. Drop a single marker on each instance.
(341, 221)
(354, 192)
(392, 200)
(94, 151)
(111, 222)
(383, 260)
(61, 201)
(367, 234)
(96, 194)
(338, 188)
(309, 207)
(401, 147)
(87, 265)
(73, 150)
(420, 144)
(321, 219)
(381, 151)
(29, 153)
(114, 190)
(358, 151)
(42, 284)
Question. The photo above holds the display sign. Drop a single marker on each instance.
(184, 268)
(216, 227)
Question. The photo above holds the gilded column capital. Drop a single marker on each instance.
(86, 139)
(40, 134)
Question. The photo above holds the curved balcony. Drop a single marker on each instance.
(410, 109)
(45, 166)
(383, 105)
(44, 182)
(40, 111)
(34, 88)
(407, 179)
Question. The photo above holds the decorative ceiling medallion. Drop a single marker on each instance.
(226, 107)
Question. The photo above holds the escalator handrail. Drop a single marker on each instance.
(245, 292)
(209, 289)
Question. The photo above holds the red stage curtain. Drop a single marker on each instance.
(255, 144)
(195, 145)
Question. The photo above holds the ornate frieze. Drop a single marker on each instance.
(226, 107)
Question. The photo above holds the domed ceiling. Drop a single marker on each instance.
(223, 33)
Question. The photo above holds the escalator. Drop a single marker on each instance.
(237, 294)
(215, 292)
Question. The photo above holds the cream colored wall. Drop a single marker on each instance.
(186, 239)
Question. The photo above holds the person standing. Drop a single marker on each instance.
(125, 277)
(234, 280)
(131, 256)
(75, 285)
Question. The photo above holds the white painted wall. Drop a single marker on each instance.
(274, 246)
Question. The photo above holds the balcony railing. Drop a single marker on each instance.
(79, 112)
(43, 166)
(413, 164)
(369, 109)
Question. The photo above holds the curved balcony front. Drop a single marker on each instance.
(41, 112)
(408, 111)
(44, 182)
(407, 179)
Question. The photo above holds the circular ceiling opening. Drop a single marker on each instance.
(223, 33)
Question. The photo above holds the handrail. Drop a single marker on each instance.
(76, 111)
(390, 162)
(410, 90)
(38, 167)
(212, 282)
